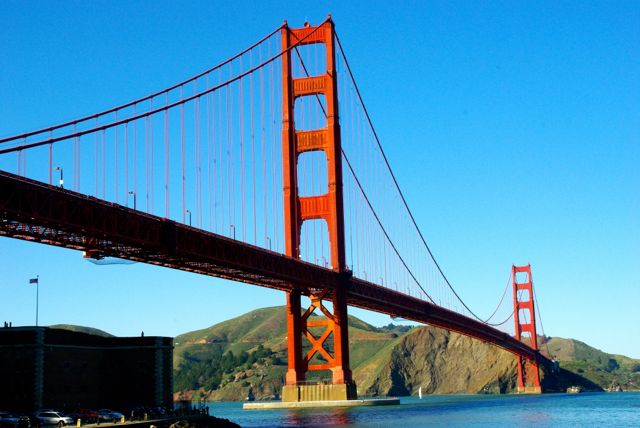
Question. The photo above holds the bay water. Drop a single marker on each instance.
(546, 410)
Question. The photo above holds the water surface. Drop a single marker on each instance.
(547, 410)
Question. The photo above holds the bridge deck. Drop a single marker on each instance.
(39, 212)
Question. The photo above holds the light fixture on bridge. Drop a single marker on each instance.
(131, 192)
(188, 212)
(59, 168)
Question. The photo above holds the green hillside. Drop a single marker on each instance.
(225, 361)
(606, 370)
(250, 350)
(265, 327)
(82, 329)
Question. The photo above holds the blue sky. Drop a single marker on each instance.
(513, 129)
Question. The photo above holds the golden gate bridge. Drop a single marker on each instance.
(264, 169)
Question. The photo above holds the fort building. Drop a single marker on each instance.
(63, 369)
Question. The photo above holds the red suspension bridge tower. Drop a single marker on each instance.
(525, 322)
(100, 222)
(328, 207)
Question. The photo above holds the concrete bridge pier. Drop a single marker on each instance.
(319, 392)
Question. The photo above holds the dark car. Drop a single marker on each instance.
(8, 420)
(87, 416)
(106, 415)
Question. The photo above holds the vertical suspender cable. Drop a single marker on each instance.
(224, 155)
(242, 164)
(264, 185)
(104, 164)
(209, 157)
(95, 158)
(77, 165)
(273, 152)
(253, 153)
(182, 155)
(151, 150)
(229, 157)
(74, 158)
(50, 159)
(166, 157)
(218, 164)
(146, 162)
(135, 157)
(115, 172)
(196, 144)
(212, 187)
(126, 162)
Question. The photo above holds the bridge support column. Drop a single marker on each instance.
(525, 322)
(341, 373)
(332, 325)
(295, 372)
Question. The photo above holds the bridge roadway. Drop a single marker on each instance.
(39, 212)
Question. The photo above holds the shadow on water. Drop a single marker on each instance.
(333, 418)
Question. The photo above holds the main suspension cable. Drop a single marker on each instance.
(546, 345)
(366, 198)
(134, 118)
(501, 299)
(153, 95)
(395, 181)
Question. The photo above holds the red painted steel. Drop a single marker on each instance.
(38, 212)
(328, 207)
(528, 371)
(35, 211)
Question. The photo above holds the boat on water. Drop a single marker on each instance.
(420, 392)
(574, 389)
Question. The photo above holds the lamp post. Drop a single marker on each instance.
(189, 214)
(131, 192)
(233, 230)
(59, 168)
(269, 242)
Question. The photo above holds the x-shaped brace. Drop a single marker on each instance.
(317, 344)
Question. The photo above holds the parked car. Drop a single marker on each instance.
(8, 420)
(53, 418)
(106, 415)
(88, 416)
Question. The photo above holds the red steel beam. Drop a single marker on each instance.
(39, 212)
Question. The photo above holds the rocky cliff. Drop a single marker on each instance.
(227, 361)
(438, 361)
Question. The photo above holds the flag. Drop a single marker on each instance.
(33, 280)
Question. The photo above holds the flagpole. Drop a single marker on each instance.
(37, 296)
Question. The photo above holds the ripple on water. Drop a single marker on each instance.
(547, 410)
